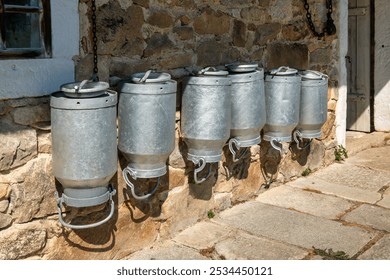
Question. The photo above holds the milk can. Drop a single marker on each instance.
(206, 117)
(313, 106)
(146, 124)
(282, 99)
(248, 105)
(83, 120)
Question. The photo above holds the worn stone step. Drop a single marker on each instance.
(379, 251)
(167, 251)
(313, 203)
(371, 216)
(295, 228)
(347, 192)
(248, 247)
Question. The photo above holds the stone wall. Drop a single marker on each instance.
(177, 36)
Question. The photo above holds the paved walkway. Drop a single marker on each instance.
(342, 211)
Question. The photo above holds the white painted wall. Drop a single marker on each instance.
(341, 108)
(382, 66)
(38, 77)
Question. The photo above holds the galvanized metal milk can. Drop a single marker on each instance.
(248, 105)
(83, 120)
(206, 116)
(146, 115)
(282, 99)
(313, 105)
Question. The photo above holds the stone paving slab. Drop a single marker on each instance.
(380, 250)
(385, 202)
(203, 235)
(247, 247)
(305, 201)
(356, 177)
(295, 228)
(373, 158)
(369, 215)
(167, 251)
(315, 184)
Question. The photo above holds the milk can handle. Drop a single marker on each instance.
(82, 84)
(202, 163)
(65, 224)
(238, 146)
(128, 171)
(297, 138)
(276, 147)
(146, 76)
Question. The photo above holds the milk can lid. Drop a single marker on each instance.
(284, 71)
(312, 75)
(84, 89)
(241, 67)
(211, 71)
(150, 77)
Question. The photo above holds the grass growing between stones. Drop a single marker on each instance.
(340, 153)
(329, 254)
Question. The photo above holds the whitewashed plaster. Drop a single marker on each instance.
(341, 108)
(382, 66)
(38, 77)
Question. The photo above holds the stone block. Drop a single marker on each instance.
(18, 145)
(167, 251)
(212, 22)
(4, 190)
(294, 228)
(239, 33)
(385, 201)
(356, 177)
(30, 115)
(184, 32)
(371, 216)
(120, 30)
(313, 203)
(21, 241)
(321, 55)
(255, 14)
(295, 31)
(222, 201)
(246, 247)
(379, 251)
(44, 142)
(34, 197)
(203, 235)
(4, 205)
(158, 44)
(293, 55)
(210, 53)
(317, 185)
(5, 220)
(266, 33)
(160, 19)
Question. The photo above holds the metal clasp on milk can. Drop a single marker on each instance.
(206, 117)
(313, 106)
(248, 106)
(83, 119)
(282, 99)
(146, 118)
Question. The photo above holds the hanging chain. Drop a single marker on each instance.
(330, 28)
(95, 76)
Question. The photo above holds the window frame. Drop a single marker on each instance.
(45, 50)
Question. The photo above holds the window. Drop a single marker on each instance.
(25, 28)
